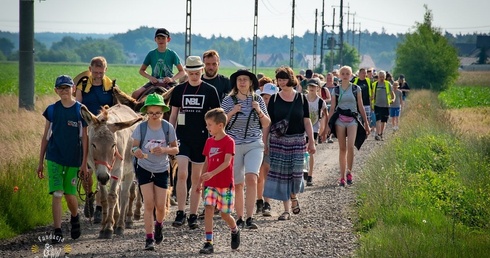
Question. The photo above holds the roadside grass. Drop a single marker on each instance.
(425, 193)
(126, 76)
(473, 78)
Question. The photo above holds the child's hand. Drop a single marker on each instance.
(206, 176)
(39, 171)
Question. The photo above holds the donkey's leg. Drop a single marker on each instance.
(103, 202)
(132, 197)
(112, 203)
(139, 203)
(123, 203)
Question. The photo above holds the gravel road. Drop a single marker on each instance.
(324, 228)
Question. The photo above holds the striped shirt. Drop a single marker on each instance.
(237, 131)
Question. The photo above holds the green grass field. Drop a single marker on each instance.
(127, 76)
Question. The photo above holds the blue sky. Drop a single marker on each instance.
(234, 18)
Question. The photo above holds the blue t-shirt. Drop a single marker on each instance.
(96, 98)
(161, 63)
(64, 144)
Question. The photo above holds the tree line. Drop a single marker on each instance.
(132, 46)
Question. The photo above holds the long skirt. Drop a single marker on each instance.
(285, 176)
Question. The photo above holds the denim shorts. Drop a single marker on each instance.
(394, 111)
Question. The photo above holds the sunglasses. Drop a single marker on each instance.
(154, 113)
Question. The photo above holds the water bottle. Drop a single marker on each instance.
(306, 162)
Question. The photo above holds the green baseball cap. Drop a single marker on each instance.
(155, 100)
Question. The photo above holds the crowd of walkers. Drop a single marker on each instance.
(240, 142)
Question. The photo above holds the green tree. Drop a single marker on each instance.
(110, 49)
(6, 46)
(427, 58)
(350, 57)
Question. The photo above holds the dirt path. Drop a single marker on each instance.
(324, 227)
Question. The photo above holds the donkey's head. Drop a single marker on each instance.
(103, 141)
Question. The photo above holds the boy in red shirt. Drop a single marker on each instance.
(217, 178)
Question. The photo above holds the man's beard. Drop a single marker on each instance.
(210, 75)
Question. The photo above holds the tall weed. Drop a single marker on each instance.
(425, 192)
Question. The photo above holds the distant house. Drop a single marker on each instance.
(278, 59)
(131, 58)
(367, 62)
(230, 63)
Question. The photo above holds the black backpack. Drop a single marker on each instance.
(253, 113)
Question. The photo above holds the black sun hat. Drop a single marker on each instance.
(239, 72)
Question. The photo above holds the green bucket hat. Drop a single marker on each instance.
(154, 100)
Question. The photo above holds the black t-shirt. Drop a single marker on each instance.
(221, 83)
(363, 84)
(278, 109)
(194, 102)
(404, 87)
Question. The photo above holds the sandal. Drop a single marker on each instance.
(296, 209)
(285, 216)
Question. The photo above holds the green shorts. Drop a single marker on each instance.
(62, 178)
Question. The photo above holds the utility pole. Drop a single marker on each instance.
(26, 54)
(188, 34)
(348, 19)
(256, 27)
(341, 32)
(322, 66)
(291, 49)
(353, 27)
(315, 39)
(359, 42)
(332, 41)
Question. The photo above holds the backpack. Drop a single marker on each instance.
(50, 112)
(336, 91)
(320, 106)
(144, 127)
(84, 82)
(255, 97)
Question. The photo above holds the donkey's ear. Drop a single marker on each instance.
(88, 116)
(123, 125)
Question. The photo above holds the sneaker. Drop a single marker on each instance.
(58, 236)
(75, 227)
(150, 246)
(330, 140)
(207, 249)
(98, 215)
(235, 239)
(266, 211)
(260, 206)
(158, 234)
(377, 137)
(249, 224)
(240, 223)
(192, 221)
(349, 178)
(381, 137)
(342, 182)
(88, 209)
(309, 181)
(179, 219)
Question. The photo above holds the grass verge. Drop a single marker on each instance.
(425, 194)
